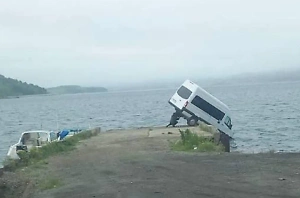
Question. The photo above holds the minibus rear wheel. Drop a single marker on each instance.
(193, 121)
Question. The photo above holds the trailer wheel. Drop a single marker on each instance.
(193, 121)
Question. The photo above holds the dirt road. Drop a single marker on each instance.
(138, 164)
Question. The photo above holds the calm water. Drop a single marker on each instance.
(265, 117)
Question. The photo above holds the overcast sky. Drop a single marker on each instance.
(106, 42)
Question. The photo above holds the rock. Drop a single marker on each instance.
(208, 128)
(281, 179)
(225, 140)
(170, 133)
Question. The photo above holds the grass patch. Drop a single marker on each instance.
(49, 183)
(192, 142)
(37, 156)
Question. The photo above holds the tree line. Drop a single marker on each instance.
(12, 87)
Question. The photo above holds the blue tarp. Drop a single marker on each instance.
(63, 134)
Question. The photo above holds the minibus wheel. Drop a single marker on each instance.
(192, 121)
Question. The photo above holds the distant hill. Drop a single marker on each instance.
(73, 89)
(10, 87)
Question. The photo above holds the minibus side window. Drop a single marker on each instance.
(208, 108)
(184, 92)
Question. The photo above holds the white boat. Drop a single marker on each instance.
(30, 139)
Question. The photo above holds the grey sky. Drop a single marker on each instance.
(105, 42)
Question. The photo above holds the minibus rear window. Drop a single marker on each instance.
(184, 92)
